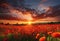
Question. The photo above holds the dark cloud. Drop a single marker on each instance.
(9, 11)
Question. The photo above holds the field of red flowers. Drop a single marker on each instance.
(40, 32)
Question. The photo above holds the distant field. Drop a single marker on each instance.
(29, 31)
(33, 28)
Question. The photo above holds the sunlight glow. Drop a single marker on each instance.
(29, 22)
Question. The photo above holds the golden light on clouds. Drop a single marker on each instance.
(29, 22)
(28, 16)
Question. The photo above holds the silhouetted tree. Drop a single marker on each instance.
(1, 23)
(7, 24)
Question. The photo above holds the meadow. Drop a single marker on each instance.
(37, 32)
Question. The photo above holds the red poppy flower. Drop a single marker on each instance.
(37, 36)
(42, 39)
(56, 34)
(49, 33)
(5, 39)
(7, 32)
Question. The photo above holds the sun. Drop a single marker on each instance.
(29, 22)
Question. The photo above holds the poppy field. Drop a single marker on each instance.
(38, 32)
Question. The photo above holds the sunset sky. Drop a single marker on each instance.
(35, 3)
(11, 10)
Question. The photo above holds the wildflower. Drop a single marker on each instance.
(49, 33)
(42, 38)
(56, 35)
(7, 32)
(5, 39)
(37, 36)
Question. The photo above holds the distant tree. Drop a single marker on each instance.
(7, 24)
(1, 23)
(16, 24)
